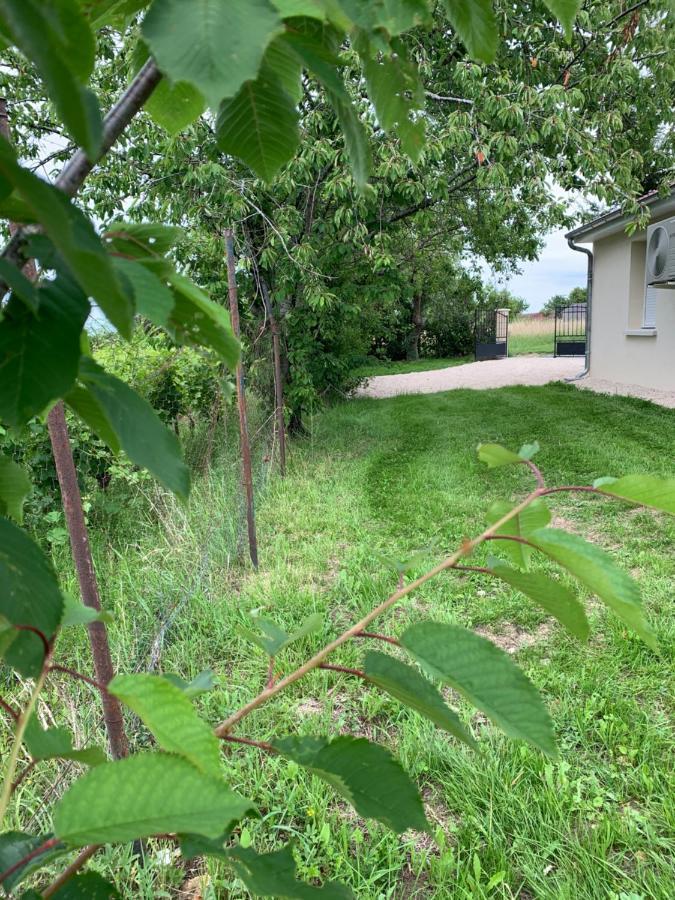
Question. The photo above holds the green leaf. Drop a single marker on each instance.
(282, 64)
(395, 88)
(170, 716)
(45, 46)
(647, 490)
(406, 684)
(57, 743)
(355, 138)
(533, 517)
(273, 875)
(175, 107)
(89, 886)
(565, 11)
(29, 593)
(145, 794)
(314, 47)
(200, 684)
(552, 596)
(215, 47)
(73, 32)
(486, 676)
(192, 845)
(15, 486)
(527, 451)
(153, 298)
(366, 775)
(141, 433)
(72, 234)
(84, 403)
(23, 288)
(15, 846)
(275, 638)
(259, 126)
(40, 352)
(495, 455)
(76, 613)
(596, 569)
(475, 23)
(142, 240)
(197, 320)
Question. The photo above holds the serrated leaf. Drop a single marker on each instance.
(494, 455)
(75, 37)
(57, 743)
(18, 283)
(282, 64)
(142, 435)
(175, 107)
(535, 516)
(396, 91)
(215, 47)
(565, 11)
(44, 45)
(15, 846)
(273, 875)
(89, 409)
(259, 126)
(200, 684)
(355, 138)
(15, 486)
(274, 639)
(142, 240)
(646, 490)
(152, 297)
(527, 451)
(407, 685)
(475, 23)
(29, 593)
(365, 774)
(199, 321)
(88, 886)
(486, 676)
(73, 236)
(552, 596)
(170, 716)
(39, 353)
(145, 794)
(76, 613)
(596, 569)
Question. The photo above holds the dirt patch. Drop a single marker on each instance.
(513, 638)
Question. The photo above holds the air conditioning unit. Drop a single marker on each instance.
(660, 267)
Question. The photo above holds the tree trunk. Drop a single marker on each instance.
(412, 350)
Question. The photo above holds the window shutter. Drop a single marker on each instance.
(649, 319)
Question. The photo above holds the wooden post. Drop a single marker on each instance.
(79, 538)
(244, 445)
(278, 383)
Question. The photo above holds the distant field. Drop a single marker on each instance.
(391, 367)
(530, 336)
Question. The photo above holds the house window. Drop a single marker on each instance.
(649, 315)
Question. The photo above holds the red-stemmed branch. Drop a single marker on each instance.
(19, 864)
(9, 709)
(79, 677)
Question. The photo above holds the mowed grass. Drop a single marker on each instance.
(529, 335)
(379, 480)
(401, 367)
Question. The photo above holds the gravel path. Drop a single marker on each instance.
(497, 373)
(492, 373)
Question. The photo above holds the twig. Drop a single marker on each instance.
(9, 710)
(536, 471)
(357, 672)
(48, 845)
(79, 677)
(261, 745)
(29, 768)
(40, 634)
(482, 569)
(270, 673)
(71, 870)
(378, 637)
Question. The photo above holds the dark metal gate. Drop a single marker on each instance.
(491, 331)
(569, 330)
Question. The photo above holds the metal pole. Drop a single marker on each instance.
(244, 445)
(79, 538)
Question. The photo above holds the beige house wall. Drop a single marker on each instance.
(646, 358)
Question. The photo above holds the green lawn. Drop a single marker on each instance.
(401, 367)
(383, 479)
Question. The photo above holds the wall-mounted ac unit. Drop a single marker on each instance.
(660, 268)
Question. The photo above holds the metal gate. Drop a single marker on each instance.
(491, 331)
(569, 330)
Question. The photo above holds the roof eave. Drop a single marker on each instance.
(615, 221)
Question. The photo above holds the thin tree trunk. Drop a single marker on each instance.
(244, 445)
(79, 539)
(84, 564)
(417, 323)
(278, 378)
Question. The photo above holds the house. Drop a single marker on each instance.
(631, 328)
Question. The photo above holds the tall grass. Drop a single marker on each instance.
(530, 335)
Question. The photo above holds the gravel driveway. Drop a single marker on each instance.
(492, 373)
